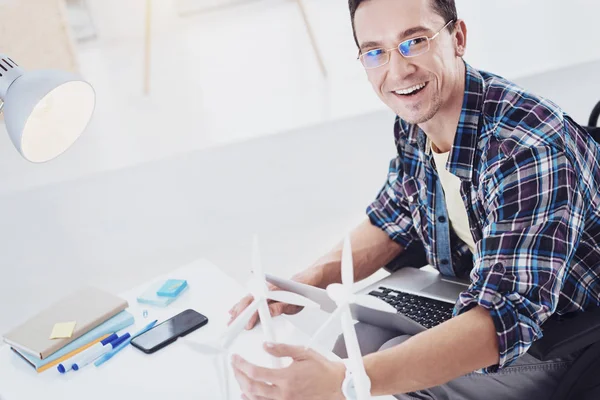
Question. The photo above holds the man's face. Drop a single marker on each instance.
(386, 23)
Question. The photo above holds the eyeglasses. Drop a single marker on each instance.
(409, 48)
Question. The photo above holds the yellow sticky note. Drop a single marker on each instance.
(63, 330)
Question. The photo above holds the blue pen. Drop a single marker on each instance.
(120, 347)
(66, 366)
(96, 355)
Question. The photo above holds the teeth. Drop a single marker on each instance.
(410, 89)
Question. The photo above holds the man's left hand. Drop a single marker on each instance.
(310, 376)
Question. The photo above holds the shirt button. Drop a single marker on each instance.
(411, 199)
(442, 219)
(445, 262)
(498, 267)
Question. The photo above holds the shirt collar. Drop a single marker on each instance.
(461, 158)
(462, 155)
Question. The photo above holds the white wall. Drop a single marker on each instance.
(576, 89)
(209, 88)
(515, 37)
(518, 38)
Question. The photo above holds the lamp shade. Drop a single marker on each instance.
(45, 111)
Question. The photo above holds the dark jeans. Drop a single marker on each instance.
(527, 378)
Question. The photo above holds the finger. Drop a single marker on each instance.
(233, 317)
(252, 321)
(254, 372)
(287, 350)
(252, 388)
(240, 306)
(276, 309)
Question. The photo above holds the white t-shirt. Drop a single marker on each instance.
(456, 207)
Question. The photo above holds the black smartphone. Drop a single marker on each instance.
(168, 331)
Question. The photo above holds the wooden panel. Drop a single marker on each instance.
(198, 6)
(36, 35)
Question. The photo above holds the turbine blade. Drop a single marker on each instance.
(347, 266)
(266, 321)
(291, 298)
(355, 357)
(225, 363)
(238, 324)
(333, 317)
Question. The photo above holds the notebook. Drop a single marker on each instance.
(120, 321)
(60, 359)
(88, 307)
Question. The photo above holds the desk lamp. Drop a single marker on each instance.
(44, 111)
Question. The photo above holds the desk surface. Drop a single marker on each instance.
(173, 372)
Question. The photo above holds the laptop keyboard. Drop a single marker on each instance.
(425, 311)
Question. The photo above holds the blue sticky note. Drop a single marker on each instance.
(172, 288)
(150, 297)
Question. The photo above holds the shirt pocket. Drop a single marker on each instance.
(415, 192)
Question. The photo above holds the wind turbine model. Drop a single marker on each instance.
(260, 291)
(343, 295)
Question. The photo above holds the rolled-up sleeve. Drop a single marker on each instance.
(535, 217)
(390, 210)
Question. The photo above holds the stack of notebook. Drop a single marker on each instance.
(96, 314)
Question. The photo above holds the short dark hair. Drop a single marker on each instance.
(445, 8)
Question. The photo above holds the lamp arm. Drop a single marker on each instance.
(9, 72)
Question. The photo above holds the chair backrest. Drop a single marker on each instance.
(592, 127)
(594, 132)
(594, 116)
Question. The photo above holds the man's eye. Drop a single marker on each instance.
(416, 41)
(374, 53)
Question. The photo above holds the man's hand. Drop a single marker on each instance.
(310, 376)
(276, 308)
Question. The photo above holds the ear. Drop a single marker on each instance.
(460, 37)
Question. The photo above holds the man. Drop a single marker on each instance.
(485, 172)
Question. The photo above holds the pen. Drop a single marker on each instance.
(66, 366)
(100, 352)
(120, 347)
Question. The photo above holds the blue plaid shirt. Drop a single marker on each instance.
(530, 181)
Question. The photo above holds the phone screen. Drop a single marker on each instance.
(169, 330)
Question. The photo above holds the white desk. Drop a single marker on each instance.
(174, 372)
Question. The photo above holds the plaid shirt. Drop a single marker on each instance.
(530, 180)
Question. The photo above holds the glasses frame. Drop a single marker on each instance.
(387, 51)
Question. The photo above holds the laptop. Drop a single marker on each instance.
(422, 298)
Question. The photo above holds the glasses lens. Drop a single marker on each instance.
(374, 58)
(414, 47)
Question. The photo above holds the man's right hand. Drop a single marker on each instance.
(276, 308)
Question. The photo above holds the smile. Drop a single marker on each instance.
(411, 90)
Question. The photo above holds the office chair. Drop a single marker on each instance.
(580, 332)
(593, 127)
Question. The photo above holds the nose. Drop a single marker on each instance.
(400, 67)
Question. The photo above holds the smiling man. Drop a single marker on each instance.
(490, 181)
